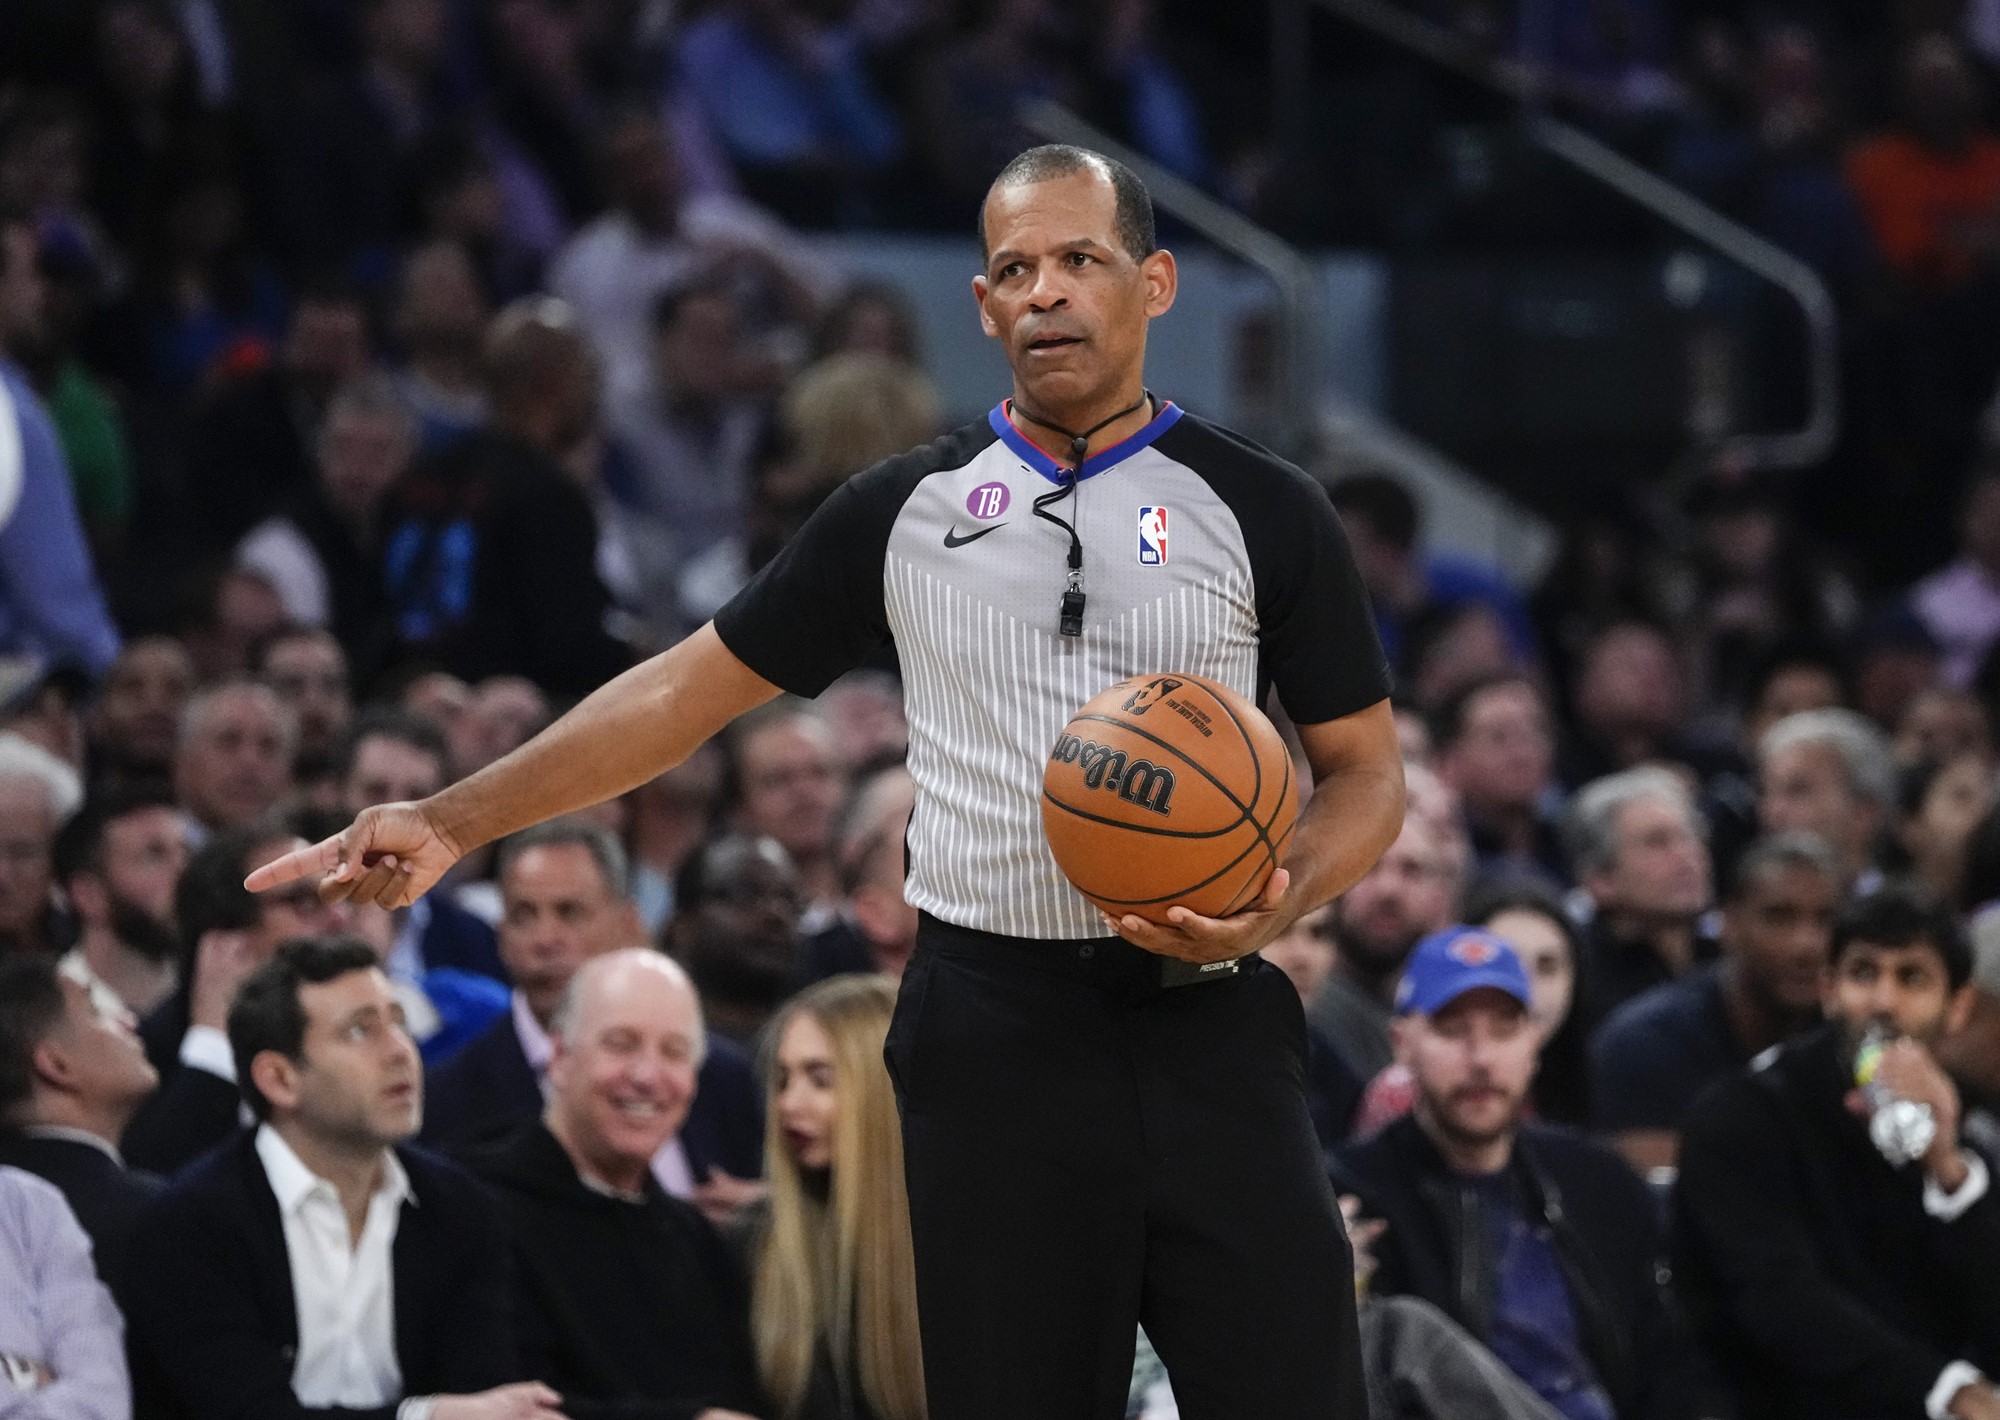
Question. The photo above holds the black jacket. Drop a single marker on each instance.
(192, 1111)
(489, 1089)
(1809, 1264)
(490, 557)
(632, 1310)
(1603, 1222)
(208, 1297)
(105, 1197)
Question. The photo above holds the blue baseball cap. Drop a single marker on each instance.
(1446, 965)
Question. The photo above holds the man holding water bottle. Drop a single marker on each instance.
(1838, 1238)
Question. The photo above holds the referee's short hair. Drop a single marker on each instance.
(1057, 160)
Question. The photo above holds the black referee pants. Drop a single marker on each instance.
(1086, 1152)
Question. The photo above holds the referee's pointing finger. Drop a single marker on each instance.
(321, 857)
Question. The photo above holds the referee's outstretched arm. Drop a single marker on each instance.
(1355, 813)
(626, 732)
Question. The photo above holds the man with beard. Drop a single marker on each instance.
(1407, 895)
(1830, 1281)
(564, 889)
(1543, 1245)
(736, 928)
(118, 860)
(136, 718)
(1659, 1051)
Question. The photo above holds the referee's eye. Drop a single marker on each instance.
(1081, 258)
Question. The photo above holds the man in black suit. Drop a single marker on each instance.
(628, 1301)
(564, 890)
(229, 933)
(314, 1265)
(72, 1074)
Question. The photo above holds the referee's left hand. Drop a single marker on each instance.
(1192, 937)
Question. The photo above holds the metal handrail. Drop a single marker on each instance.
(1811, 441)
(1291, 273)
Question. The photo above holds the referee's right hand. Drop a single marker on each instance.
(389, 856)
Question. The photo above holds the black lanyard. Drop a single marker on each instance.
(1070, 622)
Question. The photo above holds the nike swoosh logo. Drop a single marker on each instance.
(952, 539)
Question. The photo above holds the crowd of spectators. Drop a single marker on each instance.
(379, 377)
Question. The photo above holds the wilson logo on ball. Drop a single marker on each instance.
(1139, 781)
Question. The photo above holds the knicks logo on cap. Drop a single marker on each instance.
(1470, 950)
(1152, 537)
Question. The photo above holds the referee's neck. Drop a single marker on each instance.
(1045, 425)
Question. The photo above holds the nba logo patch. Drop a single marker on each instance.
(1152, 537)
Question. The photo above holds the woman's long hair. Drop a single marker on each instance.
(834, 1264)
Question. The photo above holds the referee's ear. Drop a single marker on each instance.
(1162, 276)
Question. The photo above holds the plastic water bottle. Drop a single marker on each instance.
(1902, 1130)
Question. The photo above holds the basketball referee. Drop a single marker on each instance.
(1097, 1135)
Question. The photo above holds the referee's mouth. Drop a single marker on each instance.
(1050, 344)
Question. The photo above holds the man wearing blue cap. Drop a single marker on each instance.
(1543, 1245)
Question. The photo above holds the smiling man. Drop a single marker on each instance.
(1096, 1133)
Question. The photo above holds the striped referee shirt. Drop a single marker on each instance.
(1203, 553)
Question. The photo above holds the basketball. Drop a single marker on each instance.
(1169, 790)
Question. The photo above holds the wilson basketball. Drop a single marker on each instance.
(1169, 790)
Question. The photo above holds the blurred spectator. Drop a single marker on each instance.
(471, 190)
(1306, 954)
(250, 442)
(72, 1074)
(1405, 897)
(786, 90)
(50, 604)
(362, 133)
(1612, 57)
(38, 793)
(1637, 848)
(1542, 1245)
(225, 612)
(786, 781)
(1653, 1057)
(394, 1257)
(321, 549)
(657, 236)
(136, 719)
(147, 108)
(843, 1342)
(118, 861)
(1939, 805)
(692, 435)
(868, 318)
(1829, 772)
(60, 1334)
(503, 713)
(564, 886)
(1944, 724)
(1526, 915)
(1793, 678)
(1630, 699)
(1496, 750)
(1931, 185)
(308, 669)
(620, 1330)
(1960, 602)
(233, 762)
(46, 710)
(670, 816)
(491, 552)
(736, 929)
(864, 708)
(204, 302)
(227, 934)
(1450, 646)
(1829, 1281)
(439, 319)
(1896, 659)
(875, 929)
(1385, 528)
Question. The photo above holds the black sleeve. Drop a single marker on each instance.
(190, 1113)
(470, 1289)
(1740, 1211)
(1319, 646)
(817, 608)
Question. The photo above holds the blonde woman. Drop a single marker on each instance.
(833, 1305)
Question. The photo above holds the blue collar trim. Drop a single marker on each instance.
(1033, 457)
